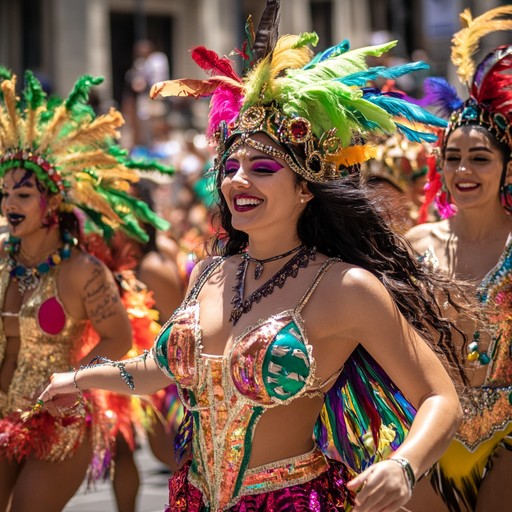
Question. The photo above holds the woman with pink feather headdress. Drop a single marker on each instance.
(293, 340)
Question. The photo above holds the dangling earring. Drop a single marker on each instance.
(443, 201)
(51, 219)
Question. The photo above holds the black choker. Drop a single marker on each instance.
(290, 269)
(259, 263)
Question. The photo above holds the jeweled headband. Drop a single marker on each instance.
(313, 159)
(318, 108)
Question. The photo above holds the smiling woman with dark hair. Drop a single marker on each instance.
(293, 342)
(474, 243)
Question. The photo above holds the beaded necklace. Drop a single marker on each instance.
(28, 277)
(259, 263)
(290, 269)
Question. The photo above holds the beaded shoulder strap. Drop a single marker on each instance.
(320, 274)
(203, 277)
(497, 274)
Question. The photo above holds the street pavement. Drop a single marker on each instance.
(152, 493)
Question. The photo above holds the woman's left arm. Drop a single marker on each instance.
(372, 318)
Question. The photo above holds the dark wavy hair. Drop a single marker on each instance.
(342, 221)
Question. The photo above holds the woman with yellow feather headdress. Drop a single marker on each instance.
(286, 345)
(472, 188)
(60, 170)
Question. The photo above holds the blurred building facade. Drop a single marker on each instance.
(61, 39)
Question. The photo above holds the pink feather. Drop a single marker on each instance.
(225, 105)
(213, 64)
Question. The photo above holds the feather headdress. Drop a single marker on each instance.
(398, 161)
(489, 103)
(72, 152)
(317, 108)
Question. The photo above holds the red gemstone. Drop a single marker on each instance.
(299, 129)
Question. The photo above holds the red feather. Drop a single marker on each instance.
(213, 64)
(494, 88)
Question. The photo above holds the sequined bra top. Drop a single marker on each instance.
(48, 336)
(269, 364)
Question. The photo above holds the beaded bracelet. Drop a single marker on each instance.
(125, 375)
(407, 471)
(74, 379)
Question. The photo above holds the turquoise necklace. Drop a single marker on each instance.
(28, 277)
(474, 354)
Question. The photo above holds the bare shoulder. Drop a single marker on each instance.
(422, 236)
(83, 268)
(348, 292)
(200, 267)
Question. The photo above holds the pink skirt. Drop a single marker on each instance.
(325, 493)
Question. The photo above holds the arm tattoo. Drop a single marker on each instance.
(100, 296)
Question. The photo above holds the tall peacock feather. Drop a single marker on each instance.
(317, 107)
(73, 152)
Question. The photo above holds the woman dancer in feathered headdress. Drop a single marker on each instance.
(473, 191)
(313, 307)
(60, 170)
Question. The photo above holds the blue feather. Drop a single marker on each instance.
(362, 77)
(401, 108)
(333, 51)
(416, 136)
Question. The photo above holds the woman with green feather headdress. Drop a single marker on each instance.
(61, 172)
(291, 345)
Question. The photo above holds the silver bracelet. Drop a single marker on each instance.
(407, 471)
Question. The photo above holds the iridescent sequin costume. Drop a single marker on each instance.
(364, 417)
(270, 364)
(48, 339)
(487, 424)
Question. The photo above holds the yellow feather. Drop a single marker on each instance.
(465, 42)
(31, 126)
(52, 130)
(9, 90)
(260, 80)
(5, 142)
(87, 159)
(285, 56)
(354, 155)
(83, 193)
(92, 133)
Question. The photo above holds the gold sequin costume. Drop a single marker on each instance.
(48, 339)
(269, 364)
(487, 409)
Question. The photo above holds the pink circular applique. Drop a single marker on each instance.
(51, 316)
